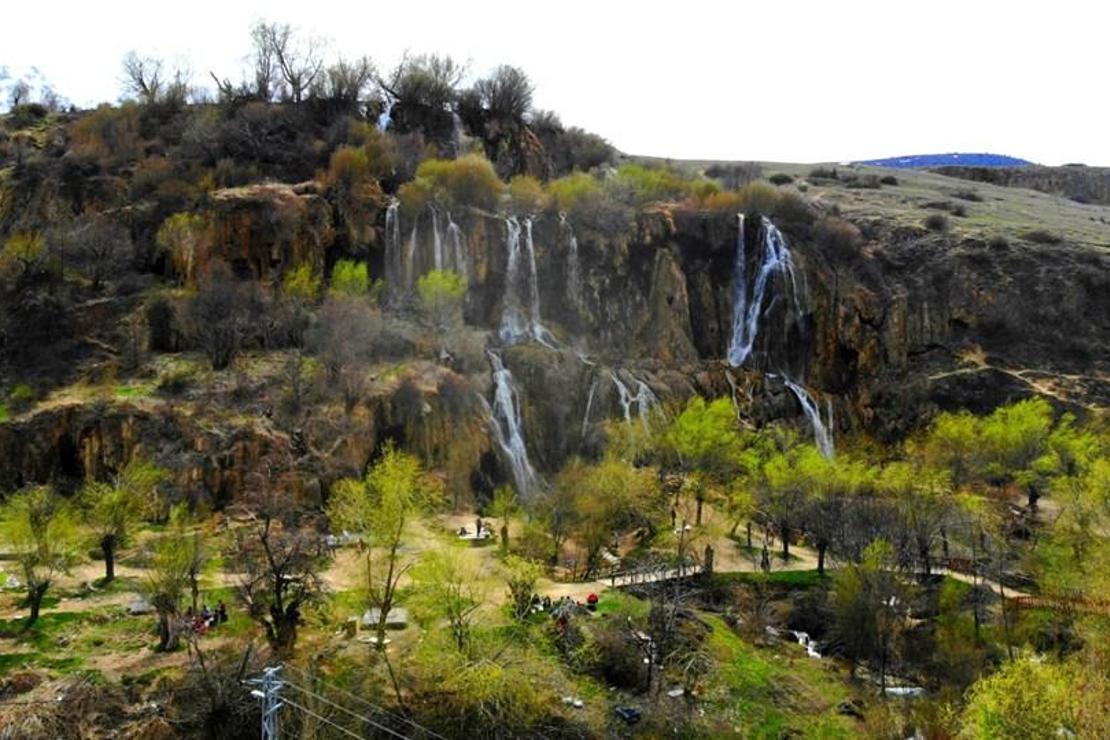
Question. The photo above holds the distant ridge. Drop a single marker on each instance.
(965, 159)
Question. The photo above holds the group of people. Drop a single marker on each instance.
(204, 620)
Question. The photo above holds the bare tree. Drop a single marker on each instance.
(345, 82)
(298, 62)
(149, 80)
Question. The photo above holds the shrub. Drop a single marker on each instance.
(958, 209)
(838, 239)
(734, 176)
(1040, 236)
(969, 195)
(349, 278)
(780, 178)
(185, 237)
(469, 180)
(824, 173)
(348, 167)
(936, 222)
(998, 242)
(888, 180)
(526, 195)
(645, 184)
(302, 282)
(108, 134)
(570, 190)
(759, 197)
(726, 201)
(507, 93)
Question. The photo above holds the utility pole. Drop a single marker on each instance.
(269, 692)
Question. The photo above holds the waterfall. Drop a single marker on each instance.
(508, 430)
(822, 434)
(644, 398)
(393, 257)
(746, 310)
(520, 313)
(589, 405)
(456, 250)
(386, 118)
(573, 276)
(437, 239)
(410, 256)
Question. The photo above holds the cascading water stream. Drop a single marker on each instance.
(456, 251)
(589, 405)
(644, 399)
(508, 429)
(774, 258)
(748, 309)
(520, 313)
(386, 117)
(822, 434)
(393, 257)
(573, 276)
(437, 239)
(410, 256)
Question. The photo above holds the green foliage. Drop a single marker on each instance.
(645, 184)
(112, 510)
(302, 283)
(4, 413)
(469, 180)
(38, 528)
(449, 587)
(349, 279)
(704, 437)
(569, 191)
(441, 296)
(526, 195)
(1026, 698)
(185, 237)
(395, 489)
(521, 576)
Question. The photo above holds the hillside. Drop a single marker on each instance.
(378, 365)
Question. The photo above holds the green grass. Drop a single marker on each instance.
(136, 390)
(4, 413)
(791, 579)
(767, 693)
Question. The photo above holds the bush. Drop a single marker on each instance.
(568, 191)
(824, 173)
(838, 239)
(645, 184)
(466, 181)
(108, 134)
(349, 278)
(302, 283)
(526, 195)
(21, 397)
(1040, 236)
(969, 195)
(998, 242)
(936, 222)
(888, 180)
(780, 178)
(958, 210)
(759, 197)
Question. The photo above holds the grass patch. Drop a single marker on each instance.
(134, 390)
(770, 694)
(4, 413)
(615, 601)
(792, 579)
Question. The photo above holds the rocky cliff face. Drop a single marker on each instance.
(909, 322)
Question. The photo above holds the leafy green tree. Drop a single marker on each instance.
(349, 279)
(178, 560)
(922, 498)
(380, 509)
(1026, 698)
(44, 540)
(441, 296)
(952, 443)
(833, 487)
(448, 586)
(302, 283)
(704, 439)
(1016, 443)
(113, 509)
(504, 507)
(521, 576)
(869, 603)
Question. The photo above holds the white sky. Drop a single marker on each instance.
(767, 80)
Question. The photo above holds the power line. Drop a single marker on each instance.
(323, 719)
(351, 712)
(367, 703)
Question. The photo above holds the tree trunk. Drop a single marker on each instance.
(749, 535)
(697, 515)
(35, 596)
(108, 547)
(785, 542)
(1034, 496)
(821, 547)
(168, 635)
(505, 537)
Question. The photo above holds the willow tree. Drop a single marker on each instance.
(43, 539)
(114, 508)
(703, 439)
(379, 509)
